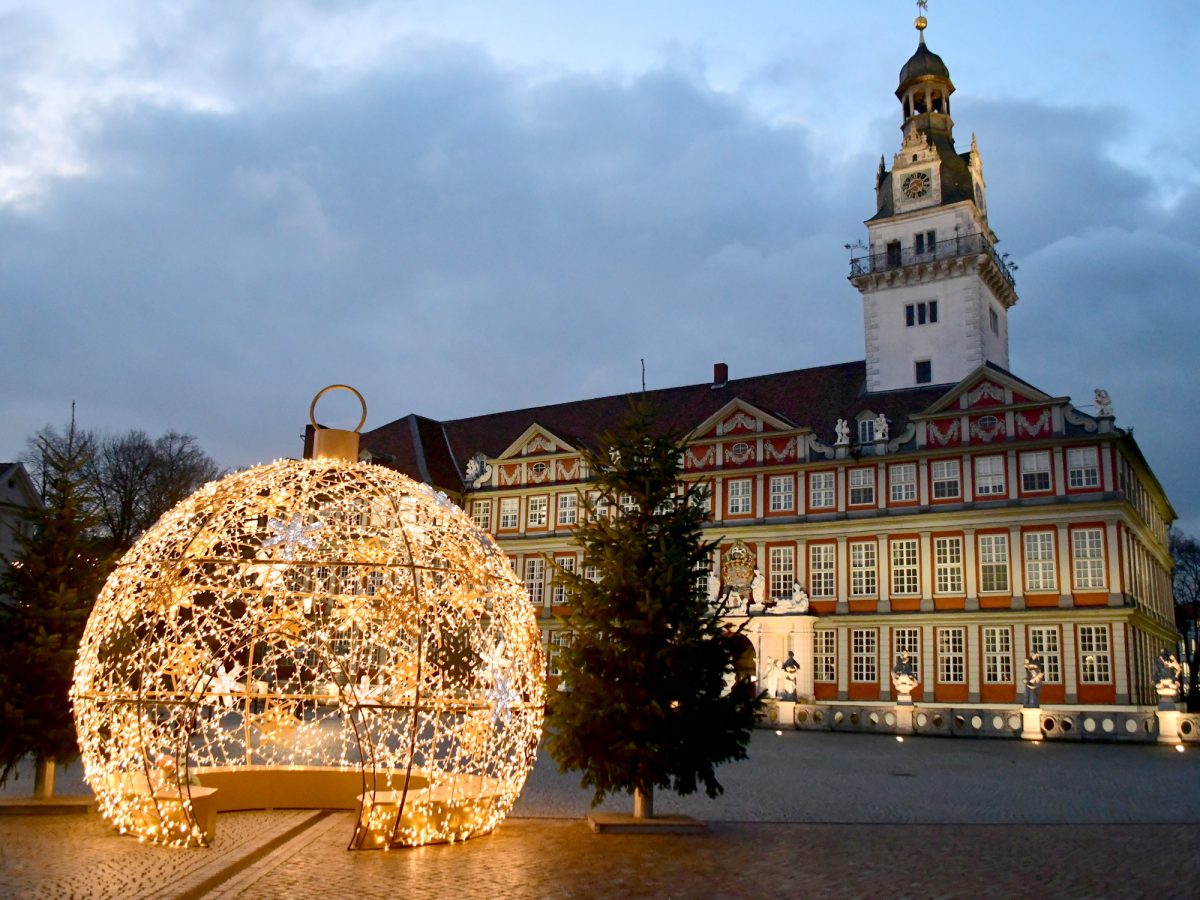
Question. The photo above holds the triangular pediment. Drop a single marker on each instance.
(987, 387)
(737, 417)
(536, 440)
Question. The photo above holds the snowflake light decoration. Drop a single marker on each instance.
(317, 632)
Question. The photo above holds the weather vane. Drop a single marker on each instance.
(920, 22)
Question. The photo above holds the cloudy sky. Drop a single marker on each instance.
(210, 210)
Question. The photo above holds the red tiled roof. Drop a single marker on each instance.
(435, 451)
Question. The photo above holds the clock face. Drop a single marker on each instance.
(916, 185)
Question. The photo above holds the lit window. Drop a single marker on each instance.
(903, 480)
(989, 476)
(945, 477)
(1087, 554)
(568, 509)
(820, 490)
(821, 582)
(866, 431)
(1039, 561)
(1035, 471)
(509, 507)
(908, 640)
(862, 568)
(948, 573)
(864, 654)
(481, 514)
(824, 656)
(566, 564)
(783, 495)
(741, 500)
(993, 562)
(629, 504)
(862, 487)
(1083, 467)
(952, 667)
(782, 565)
(997, 655)
(1043, 640)
(1093, 655)
(536, 517)
(535, 583)
(904, 566)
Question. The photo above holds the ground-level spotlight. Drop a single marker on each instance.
(780, 733)
(1179, 748)
(899, 739)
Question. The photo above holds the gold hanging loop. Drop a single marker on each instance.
(336, 443)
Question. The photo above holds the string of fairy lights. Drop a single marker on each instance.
(312, 615)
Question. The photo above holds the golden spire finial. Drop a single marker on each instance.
(921, 22)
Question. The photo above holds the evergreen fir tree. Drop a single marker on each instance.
(647, 702)
(49, 591)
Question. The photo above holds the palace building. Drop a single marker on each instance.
(927, 499)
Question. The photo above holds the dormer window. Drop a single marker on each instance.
(866, 431)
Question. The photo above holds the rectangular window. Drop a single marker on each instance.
(741, 497)
(629, 504)
(862, 568)
(782, 563)
(821, 580)
(821, 490)
(921, 313)
(904, 566)
(903, 479)
(1093, 655)
(948, 574)
(945, 477)
(1039, 561)
(1083, 467)
(864, 654)
(568, 509)
(994, 320)
(866, 431)
(989, 476)
(536, 516)
(997, 655)
(567, 564)
(1035, 471)
(824, 656)
(597, 505)
(535, 579)
(1043, 640)
(923, 371)
(558, 640)
(908, 640)
(509, 507)
(862, 487)
(591, 573)
(783, 493)
(993, 563)
(481, 514)
(952, 663)
(1087, 555)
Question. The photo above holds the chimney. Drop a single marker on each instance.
(720, 375)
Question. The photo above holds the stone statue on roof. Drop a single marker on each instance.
(477, 469)
(1103, 403)
(881, 427)
(843, 431)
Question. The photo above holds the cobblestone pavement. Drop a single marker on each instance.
(807, 815)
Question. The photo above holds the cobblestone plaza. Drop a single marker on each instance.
(807, 814)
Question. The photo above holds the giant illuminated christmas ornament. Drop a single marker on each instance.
(316, 633)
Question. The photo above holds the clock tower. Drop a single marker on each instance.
(935, 293)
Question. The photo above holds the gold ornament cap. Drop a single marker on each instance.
(336, 443)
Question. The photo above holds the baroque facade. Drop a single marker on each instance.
(926, 500)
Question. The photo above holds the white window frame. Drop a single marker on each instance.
(863, 568)
(822, 490)
(535, 579)
(902, 480)
(822, 571)
(537, 511)
(629, 504)
(567, 509)
(942, 474)
(993, 564)
(740, 497)
(1087, 559)
(907, 640)
(1083, 468)
(952, 655)
(866, 431)
(1041, 564)
(559, 593)
(782, 490)
(990, 476)
(864, 655)
(1095, 654)
(781, 563)
(481, 514)
(1035, 472)
(1046, 641)
(997, 654)
(510, 513)
(862, 486)
(948, 565)
(825, 656)
(906, 566)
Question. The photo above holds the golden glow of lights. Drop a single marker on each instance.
(1179, 748)
(308, 626)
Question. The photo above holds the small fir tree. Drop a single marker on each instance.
(647, 701)
(50, 589)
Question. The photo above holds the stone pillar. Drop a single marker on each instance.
(1016, 565)
(970, 582)
(1031, 723)
(802, 646)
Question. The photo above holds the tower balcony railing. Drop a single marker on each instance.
(901, 257)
